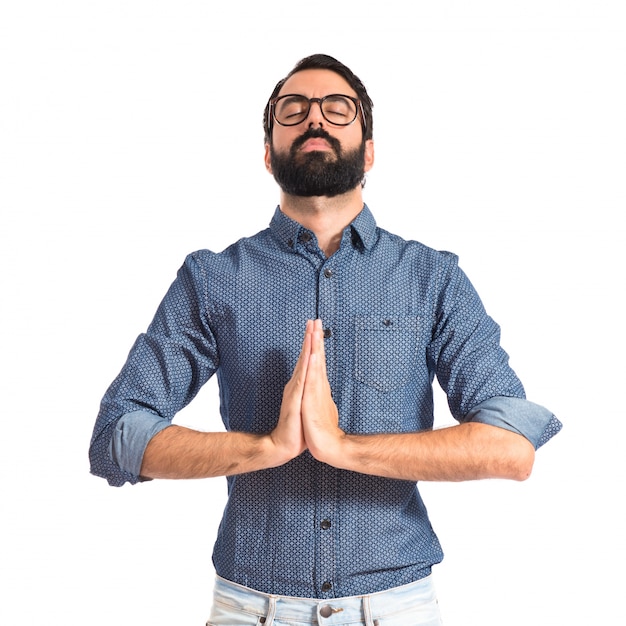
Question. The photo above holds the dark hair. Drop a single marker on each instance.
(325, 62)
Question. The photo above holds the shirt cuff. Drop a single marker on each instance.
(132, 433)
(518, 415)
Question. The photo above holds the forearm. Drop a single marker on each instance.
(465, 452)
(178, 452)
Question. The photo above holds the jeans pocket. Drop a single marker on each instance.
(223, 615)
(424, 615)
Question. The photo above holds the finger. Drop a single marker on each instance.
(317, 346)
(299, 372)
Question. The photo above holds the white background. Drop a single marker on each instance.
(130, 135)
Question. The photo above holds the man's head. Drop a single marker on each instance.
(325, 62)
(318, 129)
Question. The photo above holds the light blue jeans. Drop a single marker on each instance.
(410, 605)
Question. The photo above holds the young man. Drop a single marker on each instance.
(325, 333)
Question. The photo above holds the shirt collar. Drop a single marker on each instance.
(363, 228)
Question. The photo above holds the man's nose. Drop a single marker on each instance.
(315, 117)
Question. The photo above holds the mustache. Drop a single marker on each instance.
(316, 133)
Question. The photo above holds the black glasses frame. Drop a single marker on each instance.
(320, 101)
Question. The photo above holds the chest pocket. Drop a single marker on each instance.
(385, 350)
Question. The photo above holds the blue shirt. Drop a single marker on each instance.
(396, 314)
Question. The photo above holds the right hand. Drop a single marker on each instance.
(288, 435)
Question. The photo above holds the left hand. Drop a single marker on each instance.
(320, 418)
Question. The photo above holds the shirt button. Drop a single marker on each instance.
(328, 272)
(326, 587)
(327, 333)
(306, 237)
(325, 524)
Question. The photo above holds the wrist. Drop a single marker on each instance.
(331, 448)
(278, 451)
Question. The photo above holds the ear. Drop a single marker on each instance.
(268, 160)
(369, 154)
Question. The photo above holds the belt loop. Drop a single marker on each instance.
(367, 612)
(271, 612)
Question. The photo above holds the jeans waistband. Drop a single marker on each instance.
(331, 612)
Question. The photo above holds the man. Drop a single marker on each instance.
(325, 333)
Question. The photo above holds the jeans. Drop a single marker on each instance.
(414, 604)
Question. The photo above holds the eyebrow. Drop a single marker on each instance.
(291, 96)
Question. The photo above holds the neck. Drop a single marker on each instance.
(324, 216)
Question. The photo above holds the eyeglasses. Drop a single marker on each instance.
(338, 109)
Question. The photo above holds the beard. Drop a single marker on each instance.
(318, 173)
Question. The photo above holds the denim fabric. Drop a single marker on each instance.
(410, 605)
(397, 314)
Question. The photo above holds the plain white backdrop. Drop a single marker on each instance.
(130, 135)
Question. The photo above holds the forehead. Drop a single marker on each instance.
(316, 83)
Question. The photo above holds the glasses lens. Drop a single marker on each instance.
(291, 110)
(339, 110)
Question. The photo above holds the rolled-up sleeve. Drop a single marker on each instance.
(130, 437)
(518, 415)
(474, 369)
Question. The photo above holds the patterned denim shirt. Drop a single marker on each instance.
(396, 314)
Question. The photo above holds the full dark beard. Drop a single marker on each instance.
(318, 173)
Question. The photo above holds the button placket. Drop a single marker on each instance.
(327, 306)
